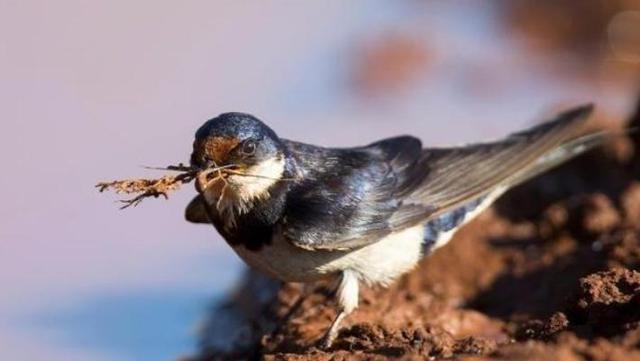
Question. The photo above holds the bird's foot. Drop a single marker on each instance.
(327, 340)
(332, 332)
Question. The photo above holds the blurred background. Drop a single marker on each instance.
(92, 91)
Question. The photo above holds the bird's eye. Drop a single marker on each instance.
(249, 147)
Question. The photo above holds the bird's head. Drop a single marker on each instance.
(240, 159)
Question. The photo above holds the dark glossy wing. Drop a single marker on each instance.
(347, 196)
(396, 185)
(459, 175)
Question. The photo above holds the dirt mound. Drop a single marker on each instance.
(548, 274)
(608, 302)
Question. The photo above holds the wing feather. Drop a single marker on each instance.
(460, 175)
(422, 185)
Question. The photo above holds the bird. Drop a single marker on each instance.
(364, 215)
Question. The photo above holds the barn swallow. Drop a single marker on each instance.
(367, 214)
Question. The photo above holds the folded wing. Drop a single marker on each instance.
(420, 185)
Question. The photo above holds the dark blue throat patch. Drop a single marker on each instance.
(447, 222)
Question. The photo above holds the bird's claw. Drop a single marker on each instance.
(327, 340)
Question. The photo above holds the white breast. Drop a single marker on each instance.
(378, 263)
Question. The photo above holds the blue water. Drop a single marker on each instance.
(157, 324)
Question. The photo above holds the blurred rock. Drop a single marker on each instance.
(565, 25)
(389, 64)
(608, 302)
(591, 38)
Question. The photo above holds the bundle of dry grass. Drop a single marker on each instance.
(146, 188)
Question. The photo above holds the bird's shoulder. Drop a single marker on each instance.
(344, 197)
(390, 155)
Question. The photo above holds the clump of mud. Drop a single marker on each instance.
(550, 273)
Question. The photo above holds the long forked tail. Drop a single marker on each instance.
(459, 175)
(574, 142)
(564, 152)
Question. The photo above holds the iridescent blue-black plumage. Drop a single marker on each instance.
(244, 128)
(236, 125)
(350, 197)
(328, 195)
(346, 197)
(442, 225)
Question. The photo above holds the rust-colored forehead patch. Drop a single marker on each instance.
(216, 148)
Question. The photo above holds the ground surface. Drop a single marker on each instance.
(550, 273)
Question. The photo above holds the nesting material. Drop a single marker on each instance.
(146, 188)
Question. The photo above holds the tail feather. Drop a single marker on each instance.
(561, 154)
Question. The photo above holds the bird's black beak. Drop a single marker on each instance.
(200, 163)
(195, 162)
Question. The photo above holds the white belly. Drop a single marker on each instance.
(378, 263)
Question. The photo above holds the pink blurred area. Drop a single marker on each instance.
(91, 91)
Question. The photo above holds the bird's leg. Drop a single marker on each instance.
(347, 295)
